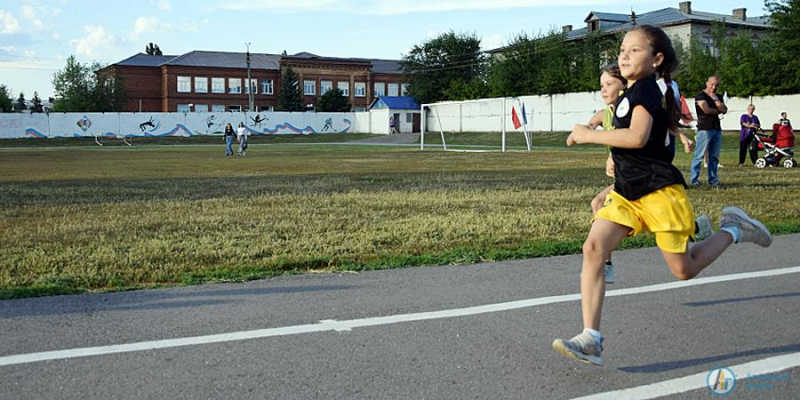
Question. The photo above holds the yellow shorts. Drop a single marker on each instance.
(666, 213)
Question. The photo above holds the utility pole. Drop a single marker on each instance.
(249, 85)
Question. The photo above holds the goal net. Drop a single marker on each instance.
(484, 124)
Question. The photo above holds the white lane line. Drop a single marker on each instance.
(339, 326)
(698, 381)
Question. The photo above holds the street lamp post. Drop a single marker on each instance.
(249, 84)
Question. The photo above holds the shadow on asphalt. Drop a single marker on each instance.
(148, 300)
(673, 365)
(741, 299)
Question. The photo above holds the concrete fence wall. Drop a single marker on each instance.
(176, 124)
(561, 112)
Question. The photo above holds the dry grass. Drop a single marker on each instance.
(107, 219)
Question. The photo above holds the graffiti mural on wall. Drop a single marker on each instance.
(119, 125)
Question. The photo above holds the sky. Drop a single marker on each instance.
(36, 36)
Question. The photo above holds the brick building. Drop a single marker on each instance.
(213, 81)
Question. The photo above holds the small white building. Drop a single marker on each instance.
(403, 110)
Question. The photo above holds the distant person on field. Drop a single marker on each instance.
(392, 125)
(228, 138)
(750, 125)
(709, 106)
(241, 137)
(784, 119)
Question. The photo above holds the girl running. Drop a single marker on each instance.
(649, 192)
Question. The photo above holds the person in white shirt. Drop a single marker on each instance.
(241, 137)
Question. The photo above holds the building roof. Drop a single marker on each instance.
(144, 60)
(613, 22)
(665, 17)
(221, 59)
(395, 103)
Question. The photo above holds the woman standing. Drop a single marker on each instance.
(750, 124)
(228, 138)
(241, 136)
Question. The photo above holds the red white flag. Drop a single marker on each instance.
(515, 118)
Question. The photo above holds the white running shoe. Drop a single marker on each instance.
(704, 228)
(584, 348)
(750, 229)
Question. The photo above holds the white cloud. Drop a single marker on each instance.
(164, 5)
(28, 12)
(8, 24)
(55, 36)
(97, 41)
(149, 25)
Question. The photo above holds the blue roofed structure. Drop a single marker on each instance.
(394, 103)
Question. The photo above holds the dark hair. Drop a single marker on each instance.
(613, 70)
(661, 43)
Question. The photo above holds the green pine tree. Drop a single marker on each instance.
(289, 97)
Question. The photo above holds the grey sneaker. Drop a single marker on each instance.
(704, 228)
(584, 348)
(750, 229)
(609, 272)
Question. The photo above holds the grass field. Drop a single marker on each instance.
(83, 218)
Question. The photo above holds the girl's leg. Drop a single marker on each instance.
(687, 265)
(604, 237)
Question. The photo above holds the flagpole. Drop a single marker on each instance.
(525, 125)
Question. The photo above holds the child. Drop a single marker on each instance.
(649, 192)
(611, 84)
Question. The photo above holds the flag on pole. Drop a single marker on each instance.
(515, 118)
(524, 117)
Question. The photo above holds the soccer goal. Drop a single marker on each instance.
(497, 115)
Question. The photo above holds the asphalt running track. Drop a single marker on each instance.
(468, 331)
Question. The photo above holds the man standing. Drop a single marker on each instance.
(709, 133)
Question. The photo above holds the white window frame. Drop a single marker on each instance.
(344, 87)
(266, 108)
(360, 89)
(309, 88)
(325, 87)
(403, 89)
(235, 85)
(379, 89)
(184, 108)
(218, 108)
(253, 84)
(232, 108)
(217, 85)
(409, 118)
(393, 88)
(201, 108)
(267, 86)
(200, 84)
(184, 84)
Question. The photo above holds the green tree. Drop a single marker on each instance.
(432, 67)
(85, 88)
(72, 87)
(289, 97)
(36, 104)
(153, 49)
(6, 104)
(21, 105)
(333, 101)
(782, 47)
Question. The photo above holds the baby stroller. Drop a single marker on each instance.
(779, 147)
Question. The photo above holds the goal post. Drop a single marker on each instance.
(479, 116)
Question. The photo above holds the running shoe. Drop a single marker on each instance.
(703, 228)
(584, 348)
(750, 229)
(609, 272)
